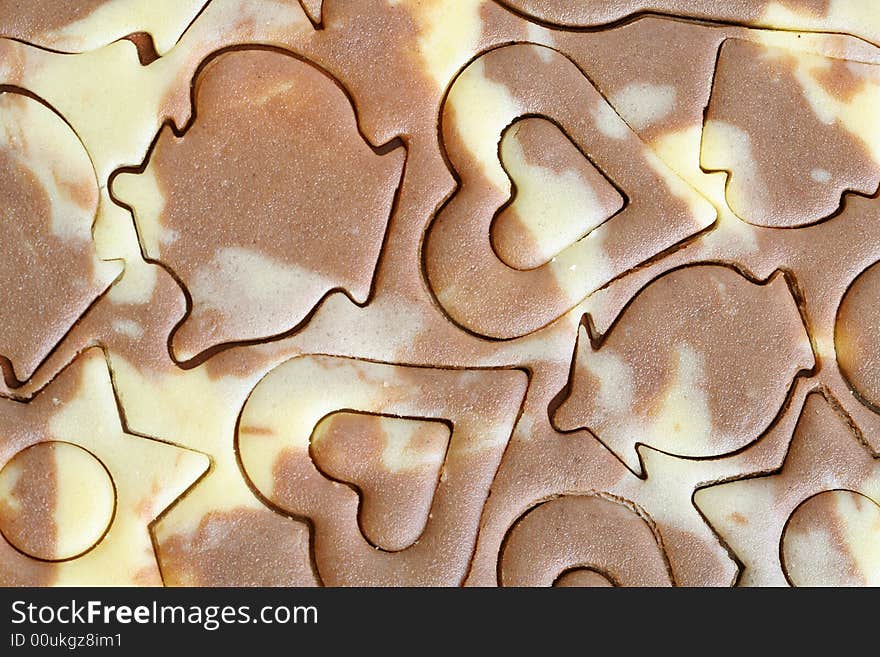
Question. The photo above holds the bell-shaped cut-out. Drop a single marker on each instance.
(271, 199)
(793, 130)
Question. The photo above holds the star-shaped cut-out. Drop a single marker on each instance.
(754, 515)
(66, 457)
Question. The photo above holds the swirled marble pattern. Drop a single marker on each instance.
(416, 292)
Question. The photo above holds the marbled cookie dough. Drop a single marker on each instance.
(285, 236)
(49, 196)
(78, 490)
(418, 292)
(89, 24)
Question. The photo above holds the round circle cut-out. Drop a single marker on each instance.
(57, 501)
(832, 539)
(856, 336)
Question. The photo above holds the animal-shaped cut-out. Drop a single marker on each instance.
(724, 354)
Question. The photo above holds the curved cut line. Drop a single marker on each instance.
(515, 191)
(700, 225)
(110, 520)
(636, 15)
(782, 560)
(357, 489)
(597, 340)
(601, 495)
(8, 375)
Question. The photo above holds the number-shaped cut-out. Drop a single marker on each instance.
(583, 540)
